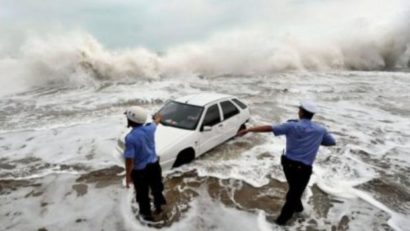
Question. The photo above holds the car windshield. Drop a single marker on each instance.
(180, 115)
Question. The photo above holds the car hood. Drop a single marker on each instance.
(166, 137)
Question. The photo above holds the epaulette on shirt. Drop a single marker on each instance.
(293, 121)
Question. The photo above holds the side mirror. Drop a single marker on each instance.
(207, 128)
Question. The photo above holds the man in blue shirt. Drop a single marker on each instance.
(142, 163)
(303, 138)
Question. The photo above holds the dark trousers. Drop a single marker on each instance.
(298, 175)
(149, 178)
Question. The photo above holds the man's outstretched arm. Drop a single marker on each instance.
(157, 118)
(264, 128)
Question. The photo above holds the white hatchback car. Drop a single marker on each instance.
(194, 124)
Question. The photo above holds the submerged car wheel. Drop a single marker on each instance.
(184, 157)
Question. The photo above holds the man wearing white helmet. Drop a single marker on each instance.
(142, 163)
(303, 138)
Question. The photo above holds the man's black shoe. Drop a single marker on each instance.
(280, 222)
(147, 217)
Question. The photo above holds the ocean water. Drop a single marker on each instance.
(69, 70)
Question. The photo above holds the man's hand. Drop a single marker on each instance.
(128, 180)
(157, 118)
(242, 132)
(129, 163)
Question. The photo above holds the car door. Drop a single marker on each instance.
(212, 120)
(230, 121)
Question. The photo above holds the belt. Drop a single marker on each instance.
(295, 163)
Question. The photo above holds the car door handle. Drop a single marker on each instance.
(221, 125)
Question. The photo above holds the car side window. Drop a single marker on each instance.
(229, 109)
(239, 103)
(212, 116)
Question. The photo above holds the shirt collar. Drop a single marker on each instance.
(136, 128)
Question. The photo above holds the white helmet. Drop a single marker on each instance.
(136, 114)
(309, 106)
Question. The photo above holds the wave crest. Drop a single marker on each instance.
(77, 59)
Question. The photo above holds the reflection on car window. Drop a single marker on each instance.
(239, 103)
(212, 116)
(229, 109)
(180, 115)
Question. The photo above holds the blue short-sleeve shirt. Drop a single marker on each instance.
(140, 146)
(303, 138)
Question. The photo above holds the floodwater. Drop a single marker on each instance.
(59, 170)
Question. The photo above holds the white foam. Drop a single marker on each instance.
(245, 167)
(45, 173)
(397, 221)
(263, 225)
(309, 36)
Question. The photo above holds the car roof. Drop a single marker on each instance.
(202, 99)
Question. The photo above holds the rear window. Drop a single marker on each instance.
(239, 103)
(229, 109)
